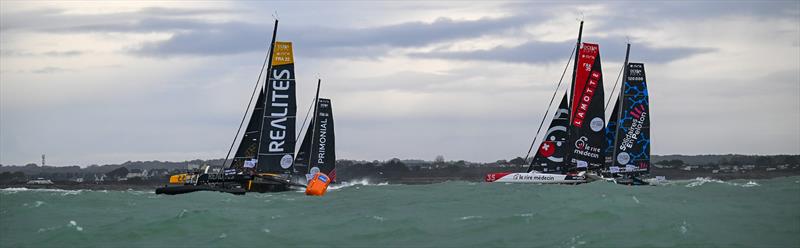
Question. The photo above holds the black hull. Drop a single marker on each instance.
(631, 181)
(183, 189)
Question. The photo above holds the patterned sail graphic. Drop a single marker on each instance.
(277, 142)
(587, 127)
(550, 155)
(632, 144)
(611, 133)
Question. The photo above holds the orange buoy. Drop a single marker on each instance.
(318, 184)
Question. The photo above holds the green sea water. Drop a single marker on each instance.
(692, 213)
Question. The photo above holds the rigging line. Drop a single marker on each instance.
(305, 119)
(551, 104)
(255, 89)
(611, 96)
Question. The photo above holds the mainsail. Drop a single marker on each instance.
(631, 151)
(586, 133)
(277, 136)
(550, 155)
(317, 151)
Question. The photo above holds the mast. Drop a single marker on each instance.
(269, 71)
(571, 94)
(574, 71)
(314, 126)
(619, 102)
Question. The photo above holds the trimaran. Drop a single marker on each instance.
(578, 146)
(265, 160)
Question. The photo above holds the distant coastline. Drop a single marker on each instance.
(144, 175)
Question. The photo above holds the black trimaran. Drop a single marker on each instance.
(265, 160)
(578, 140)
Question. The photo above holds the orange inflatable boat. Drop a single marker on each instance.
(318, 184)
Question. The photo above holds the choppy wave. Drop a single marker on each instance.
(683, 213)
(700, 181)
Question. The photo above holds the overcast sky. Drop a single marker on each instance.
(107, 82)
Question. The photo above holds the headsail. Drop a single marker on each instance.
(550, 155)
(632, 149)
(586, 133)
(611, 133)
(277, 141)
(248, 147)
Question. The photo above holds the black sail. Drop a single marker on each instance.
(318, 150)
(301, 165)
(631, 154)
(587, 124)
(611, 133)
(248, 147)
(550, 155)
(277, 140)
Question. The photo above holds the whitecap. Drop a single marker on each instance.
(74, 224)
(684, 228)
(379, 218)
(470, 217)
(636, 200)
(265, 230)
(223, 235)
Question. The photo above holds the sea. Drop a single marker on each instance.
(702, 212)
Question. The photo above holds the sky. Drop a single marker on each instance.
(107, 82)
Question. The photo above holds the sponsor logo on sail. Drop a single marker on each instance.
(597, 124)
(639, 115)
(323, 140)
(586, 99)
(583, 148)
(286, 161)
(623, 158)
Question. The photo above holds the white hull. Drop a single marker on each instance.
(538, 178)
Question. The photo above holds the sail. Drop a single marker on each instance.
(301, 160)
(277, 137)
(248, 147)
(611, 133)
(632, 150)
(550, 155)
(586, 133)
(318, 150)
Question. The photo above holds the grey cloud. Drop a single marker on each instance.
(50, 69)
(545, 52)
(238, 37)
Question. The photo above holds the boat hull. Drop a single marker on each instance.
(535, 178)
(183, 189)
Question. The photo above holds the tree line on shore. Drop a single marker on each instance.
(392, 169)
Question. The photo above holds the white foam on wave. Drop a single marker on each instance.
(362, 182)
(62, 191)
(703, 180)
(470, 217)
(74, 224)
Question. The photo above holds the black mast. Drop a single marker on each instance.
(313, 128)
(619, 102)
(269, 70)
(571, 92)
(574, 71)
